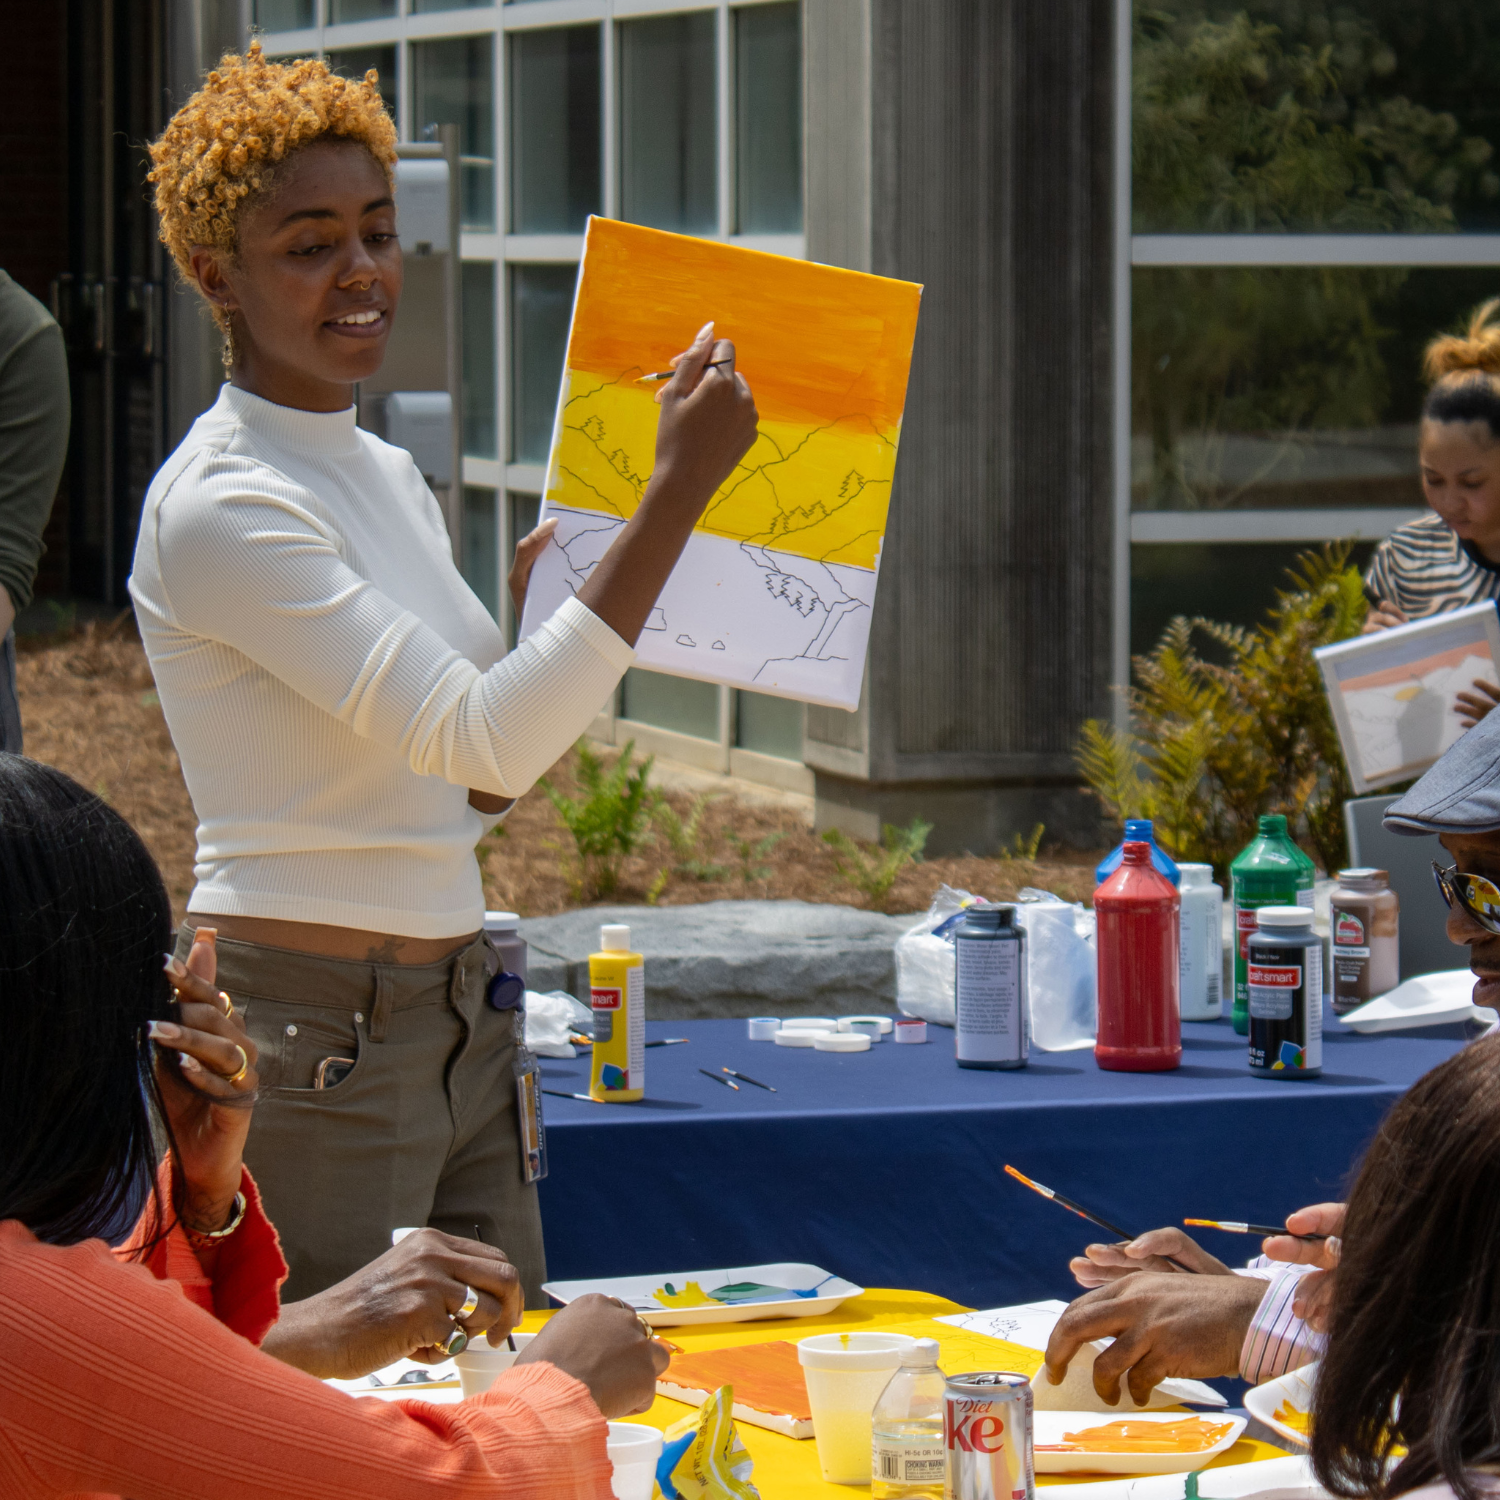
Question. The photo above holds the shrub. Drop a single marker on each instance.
(609, 818)
(683, 836)
(873, 871)
(1212, 744)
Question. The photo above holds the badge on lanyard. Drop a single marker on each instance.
(508, 992)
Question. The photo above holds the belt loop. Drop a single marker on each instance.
(380, 1012)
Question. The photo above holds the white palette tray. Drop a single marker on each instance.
(826, 1293)
(1050, 1426)
(1295, 1388)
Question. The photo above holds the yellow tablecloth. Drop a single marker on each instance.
(787, 1468)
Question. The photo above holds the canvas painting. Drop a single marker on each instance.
(1392, 693)
(775, 588)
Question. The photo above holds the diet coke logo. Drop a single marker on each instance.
(973, 1430)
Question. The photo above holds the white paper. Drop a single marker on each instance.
(1030, 1324)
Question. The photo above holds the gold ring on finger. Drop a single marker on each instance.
(243, 1068)
(645, 1327)
(228, 1006)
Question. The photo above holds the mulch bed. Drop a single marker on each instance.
(89, 707)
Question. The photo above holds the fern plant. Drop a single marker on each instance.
(873, 871)
(609, 818)
(1216, 740)
(683, 836)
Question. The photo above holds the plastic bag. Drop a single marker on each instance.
(924, 959)
(703, 1457)
(549, 1020)
(1061, 975)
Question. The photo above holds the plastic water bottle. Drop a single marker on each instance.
(908, 1460)
(1140, 1021)
(1202, 928)
(1137, 829)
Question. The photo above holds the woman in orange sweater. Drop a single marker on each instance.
(137, 1371)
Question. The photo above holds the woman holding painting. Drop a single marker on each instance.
(1450, 557)
(348, 720)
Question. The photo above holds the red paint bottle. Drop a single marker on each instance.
(1140, 1024)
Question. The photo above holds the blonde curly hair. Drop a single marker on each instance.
(1476, 349)
(223, 147)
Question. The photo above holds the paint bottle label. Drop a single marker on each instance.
(1285, 985)
(990, 1009)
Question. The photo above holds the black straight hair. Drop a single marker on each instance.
(84, 926)
(1469, 397)
(1413, 1357)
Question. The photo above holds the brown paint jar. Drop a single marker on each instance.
(1364, 924)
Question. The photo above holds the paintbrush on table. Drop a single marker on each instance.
(1085, 1213)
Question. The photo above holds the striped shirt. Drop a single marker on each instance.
(1277, 1339)
(1424, 569)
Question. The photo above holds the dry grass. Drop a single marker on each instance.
(90, 708)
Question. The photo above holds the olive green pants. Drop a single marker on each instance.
(422, 1130)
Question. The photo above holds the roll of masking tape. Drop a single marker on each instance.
(885, 1023)
(910, 1030)
(810, 1023)
(796, 1038)
(864, 1025)
(763, 1028)
(840, 1041)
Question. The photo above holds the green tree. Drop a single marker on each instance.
(1235, 129)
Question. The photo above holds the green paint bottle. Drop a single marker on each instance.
(1269, 871)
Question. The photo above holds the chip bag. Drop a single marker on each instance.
(703, 1458)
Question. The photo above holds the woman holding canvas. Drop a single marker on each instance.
(348, 720)
(1450, 557)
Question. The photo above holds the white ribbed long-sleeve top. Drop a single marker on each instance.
(332, 685)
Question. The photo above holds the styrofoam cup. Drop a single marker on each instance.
(633, 1450)
(845, 1374)
(479, 1365)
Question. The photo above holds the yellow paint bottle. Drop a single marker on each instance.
(617, 985)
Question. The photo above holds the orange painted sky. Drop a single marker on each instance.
(815, 342)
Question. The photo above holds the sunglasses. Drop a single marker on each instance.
(1472, 894)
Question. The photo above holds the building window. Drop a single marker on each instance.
(555, 120)
(1312, 195)
(453, 84)
(541, 308)
(421, 7)
(671, 703)
(481, 546)
(771, 726)
(480, 413)
(1284, 387)
(359, 10)
(668, 122)
(283, 15)
(355, 62)
(768, 119)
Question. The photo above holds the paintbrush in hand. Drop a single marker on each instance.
(1084, 1213)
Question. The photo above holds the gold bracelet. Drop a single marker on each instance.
(215, 1236)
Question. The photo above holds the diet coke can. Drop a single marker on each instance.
(987, 1434)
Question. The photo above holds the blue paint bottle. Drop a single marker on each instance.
(1138, 830)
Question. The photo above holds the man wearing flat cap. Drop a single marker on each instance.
(1266, 1319)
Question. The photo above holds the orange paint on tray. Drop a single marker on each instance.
(815, 342)
(1191, 1435)
(766, 1377)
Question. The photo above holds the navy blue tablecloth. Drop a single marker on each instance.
(885, 1166)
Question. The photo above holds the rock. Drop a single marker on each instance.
(732, 958)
